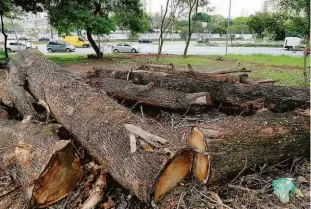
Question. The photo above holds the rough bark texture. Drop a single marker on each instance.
(264, 138)
(168, 71)
(228, 97)
(147, 94)
(43, 165)
(97, 122)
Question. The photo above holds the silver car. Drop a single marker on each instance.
(125, 48)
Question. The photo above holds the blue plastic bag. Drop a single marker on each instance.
(283, 187)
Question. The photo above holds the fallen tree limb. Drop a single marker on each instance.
(98, 123)
(131, 75)
(44, 165)
(233, 143)
(231, 98)
(227, 71)
(146, 94)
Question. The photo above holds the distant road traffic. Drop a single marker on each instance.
(178, 48)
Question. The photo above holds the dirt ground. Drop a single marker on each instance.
(252, 188)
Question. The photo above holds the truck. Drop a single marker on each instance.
(291, 43)
(76, 41)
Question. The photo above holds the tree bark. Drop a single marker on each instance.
(146, 94)
(5, 38)
(99, 54)
(104, 128)
(233, 143)
(231, 98)
(162, 30)
(140, 72)
(45, 166)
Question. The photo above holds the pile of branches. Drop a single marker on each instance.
(219, 125)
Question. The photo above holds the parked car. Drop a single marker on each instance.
(144, 40)
(76, 41)
(12, 46)
(202, 40)
(23, 38)
(44, 39)
(59, 46)
(125, 47)
(291, 42)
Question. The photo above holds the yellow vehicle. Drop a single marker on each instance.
(76, 41)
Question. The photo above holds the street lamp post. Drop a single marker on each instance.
(228, 27)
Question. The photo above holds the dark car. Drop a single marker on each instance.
(23, 38)
(46, 39)
(144, 40)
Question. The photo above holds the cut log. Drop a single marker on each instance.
(131, 75)
(237, 142)
(231, 98)
(146, 94)
(44, 165)
(157, 67)
(99, 124)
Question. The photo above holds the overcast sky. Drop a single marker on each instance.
(239, 7)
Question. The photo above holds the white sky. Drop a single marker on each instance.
(239, 7)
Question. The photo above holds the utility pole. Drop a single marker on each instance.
(228, 27)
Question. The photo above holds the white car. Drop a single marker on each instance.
(125, 47)
(12, 46)
(291, 43)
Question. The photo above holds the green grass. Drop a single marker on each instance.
(286, 69)
(284, 78)
(68, 59)
(1, 54)
(263, 59)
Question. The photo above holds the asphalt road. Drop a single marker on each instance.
(178, 48)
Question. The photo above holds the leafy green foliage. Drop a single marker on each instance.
(202, 17)
(257, 23)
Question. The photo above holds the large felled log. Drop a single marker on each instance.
(147, 94)
(228, 97)
(44, 165)
(187, 74)
(236, 143)
(104, 127)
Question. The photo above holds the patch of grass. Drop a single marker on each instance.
(281, 60)
(2, 54)
(68, 59)
(284, 77)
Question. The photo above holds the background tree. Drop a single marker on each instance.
(168, 18)
(192, 9)
(257, 23)
(95, 17)
(299, 8)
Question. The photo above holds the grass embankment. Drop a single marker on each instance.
(286, 69)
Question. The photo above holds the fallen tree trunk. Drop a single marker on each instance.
(147, 94)
(231, 98)
(187, 74)
(234, 144)
(104, 127)
(44, 165)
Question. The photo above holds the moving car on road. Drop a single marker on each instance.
(76, 41)
(145, 40)
(125, 48)
(291, 43)
(59, 46)
(16, 46)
